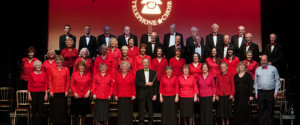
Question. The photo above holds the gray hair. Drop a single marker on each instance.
(241, 27)
(146, 59)
(173, 24)
(102, 64)
(84, 49)
(102, 46)
(274, 35)
(223, 63)
(106, 26)
(212, 26)
(36, 62)
(168, 67)
(124, 63)
(194, 28)
(249, 51)
(124, 48)
(249, 34)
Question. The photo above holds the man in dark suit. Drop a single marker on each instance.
(153, 45)
(146, 89)
(214, 39)
(169, 39)
(249, 45)
(197, 48)
(274, 51)
(62, 38)
(88, 41)
(146, 38)
(104, 38)
(170, 53)
(190, 44)
(223, 49)
(238, 40)
(123, 39)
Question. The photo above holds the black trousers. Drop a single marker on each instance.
(169, 111)
(266, 103)
(142, 104)
(37, 106)
(206, 106)
(125, 111)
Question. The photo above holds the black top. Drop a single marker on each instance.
(91, 46)
(255, 51)
(101, 39)
(140, 84)
(122, 40)
(243, 85)
(235, 43)
(62, 41)
(275, 56)
(144, 39)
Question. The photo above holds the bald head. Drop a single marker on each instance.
(264, 60)
(248, 37)
(126, 30)
(241, 30)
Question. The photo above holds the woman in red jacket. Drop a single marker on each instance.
(125, 93)
(177, 63)
(84, 56)
(188, 91)
(207, 90)
(168, 91)
(104, 58)
(139, 59)
(113, 50)
(37, 91)
(26, 68)
(214, 63)
(196, 66)
(225, 90)
(102, 89)
(132, 50)
(251, 64)
(81, 84)
(59, 82)
(50, 63)
(231, 60)
(70, 54)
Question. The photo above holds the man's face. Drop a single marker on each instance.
(67, 29)
(172, 29)
(241, 30)
(106, 30)
(248, 38)
(87, 30)
(177, 40)
(145, 63)
(272, 38)
(127, 30)
(153, 37)
(226, 39)
(264, 60)
(150, 29)
(215, 29)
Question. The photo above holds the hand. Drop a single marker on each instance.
(231, 98)
(217, 98)
(154, 98)
(87, 94)
(66, 94)
(109, 97)
(275, 95)
(76, 95)
(51, 94)
(46, 97)
(133, 98)
(161, 99)
(116, 98)
(195, 98)
(177, 99)
(214, 99)
(149, 83)
(250, 98)
(256, 96)
(198, 99)
(94, 96)
(93, 58)
(29, 97)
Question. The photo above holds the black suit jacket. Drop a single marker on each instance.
(171, 52)
(91, 46)
(144, 38)
(101, 39)
(62, 41)
(190, 49)
(210, 41)
(235, 43)
(140, 84)
(221, 50)
(275, 56)
(149, 49)
(122, 40)
(167, 41)
(255, 52)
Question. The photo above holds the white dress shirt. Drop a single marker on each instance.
(215, 40)
(126, 38)
(172, 40)
(146, 75)
(272, 47)
(107, 40)
(149, 38)
(240, 41)
(198, 50)
(225, 51)
(87, 39)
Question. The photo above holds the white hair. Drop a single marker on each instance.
(241, 27)
(173, 25)
(194, 28)
(124, 63)
(212, 26)
(124, 48)
(84, 49)
(36, 62)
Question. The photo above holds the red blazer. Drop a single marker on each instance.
(69, 56)
(168, 86)
(195, 71)
(187, 87)
(115, 55)
(102, 86)
(59, 81)
(47, 66)
(81, 84)
(129, 60)
(159, 67)
(134, 52)
(138, 62)
(177, 66)
(251, 67)
(109, 63)
(89, 65)
(231, 64)
(37, 82)
(206, 86)
(26, 68)
(214, 67)
(225, 84)
(125, 87)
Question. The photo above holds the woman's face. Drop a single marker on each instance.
(113, 43)
(69, 44)
(130, 43)
(159, 53)
(223, 68)
(213, 52)
(124, 69)
(81, 68)
(84, 54)
(143, 50)
(38, 67)
(242, 67)
(249, 56)
(103, 51)
(30, 55)
(124, 52)
(177, 54)
(230, 52)
(52, 54)
(58, 62)
(103, 69)
(169, 72)
(195, 58)
(204, 68)
(186, 71)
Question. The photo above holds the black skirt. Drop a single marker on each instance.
(101, 110)
(125, 111)
(58, 108)
(169, 111)
(224, 107)
(80, 106)
(206, 106)
(242, 110)
(186, 107)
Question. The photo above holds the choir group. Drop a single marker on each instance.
(167, 78)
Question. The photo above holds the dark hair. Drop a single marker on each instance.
(30, 49)
(81, 63)
(161, 50)
(206, 65)
(233, 55)
(218, 60)
(199, 57)
(67, 25)
(130, 39)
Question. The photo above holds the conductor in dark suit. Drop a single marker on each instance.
(62, 38)
(153, 45)
(169, 39)
(249, 45)
(190, 44)
(146, 88)
(88, 41)
(214, 39)
(274, 52)
(238, 40)
(146, 38)
(104, 38)
(170, 53)
(123, 39)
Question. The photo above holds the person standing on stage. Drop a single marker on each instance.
(88, 41)
(123, 39)
(64, 37)
(70, 54)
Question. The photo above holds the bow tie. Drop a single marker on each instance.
(127, 35)
(87, 36)
(264, 67)
(226, 45)
(152, 42)
(247, 44)
(148, 34)
(177, 46)
(214, 34)
(171, 33)
(146, 69)
(272, 44)
(107, 35)
(240, 36)
(67, 35)
(198, 46)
